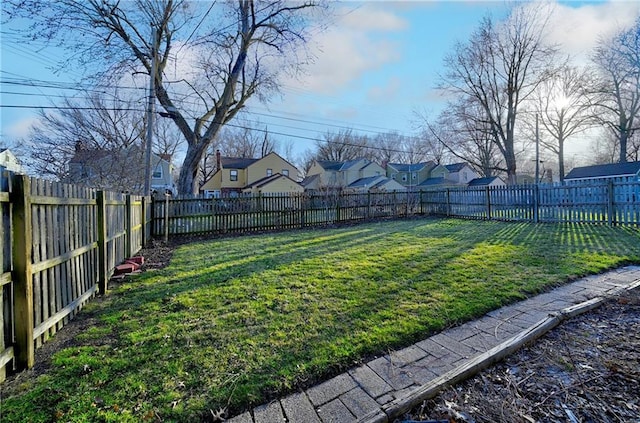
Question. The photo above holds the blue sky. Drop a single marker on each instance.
(375, 66)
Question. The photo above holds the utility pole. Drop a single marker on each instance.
(537, 151)
(150, 113)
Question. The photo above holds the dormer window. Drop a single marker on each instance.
(233, 175)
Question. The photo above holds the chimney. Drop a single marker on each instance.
(218, 160)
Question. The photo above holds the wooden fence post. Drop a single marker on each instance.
(536, 204)
(488, 198)
(611, 219)
(22, 276)
(102, 242)
(448, 202)
(143, 211)
(166, 218)
(128, 226)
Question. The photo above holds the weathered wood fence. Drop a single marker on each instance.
(606, 203)
(60, 244)
(276, 212)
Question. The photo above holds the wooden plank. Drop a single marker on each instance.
(23, 287)
(43, 200)
(5, 357)
(102, 242)
(63, 313)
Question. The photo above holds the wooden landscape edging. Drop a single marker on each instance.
(469, 369)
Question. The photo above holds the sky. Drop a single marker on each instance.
(376, 67)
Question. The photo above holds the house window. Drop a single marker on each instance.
(285, 172)
(464, 175)
(404, 177)
(233, 175)
(413, 176)
(157, 172)
(269, 172)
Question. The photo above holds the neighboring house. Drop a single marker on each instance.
(9, 161)
(375, 183)
(410, 174)
(461, 173)
(119, 170)
(492, 181)
(435, 183)
(359, 175)
(274, 184)
(617, 172)
(235, 175)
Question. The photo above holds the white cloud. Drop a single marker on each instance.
(20, 129)
(386, 92)
(577, 29)
(370, 18)
(349, 48)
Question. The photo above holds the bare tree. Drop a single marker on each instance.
(465, 132)
(96, 123)
(342, 146)
(564, 106)
(222, 54)
(499, 67)
(105, 134)
(618, 62)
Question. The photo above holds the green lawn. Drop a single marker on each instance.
(234, 322)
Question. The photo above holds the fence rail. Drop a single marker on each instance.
(608, 203)
(60, 244)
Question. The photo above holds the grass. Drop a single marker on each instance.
(234, 322)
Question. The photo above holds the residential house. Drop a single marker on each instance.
(375, 184)
(353, 175)
(9, 161)
(616, 172)
(410, 175)
(461, 173)
(119, 170)
(491, 181)
(269, 174)
(436, 182)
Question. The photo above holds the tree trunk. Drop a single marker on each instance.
(187, 181)
(561, 159)
(624, 136)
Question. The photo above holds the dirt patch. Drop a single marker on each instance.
(586, 370)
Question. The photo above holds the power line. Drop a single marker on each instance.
(229, 124)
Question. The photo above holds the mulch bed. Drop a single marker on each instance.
(586, 370)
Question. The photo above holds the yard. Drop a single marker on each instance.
(233, 322)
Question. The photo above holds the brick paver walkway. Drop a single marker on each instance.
(377, 390)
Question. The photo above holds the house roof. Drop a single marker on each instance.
(477, 182)
(604, 171)
(364, 182)
(415, 167)
(267, 180)
(456, 167)
(309, 180)
(433, 181)
(236, 162)
(340, 166)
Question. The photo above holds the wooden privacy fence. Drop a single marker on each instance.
(606, 202)
(60, 245)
